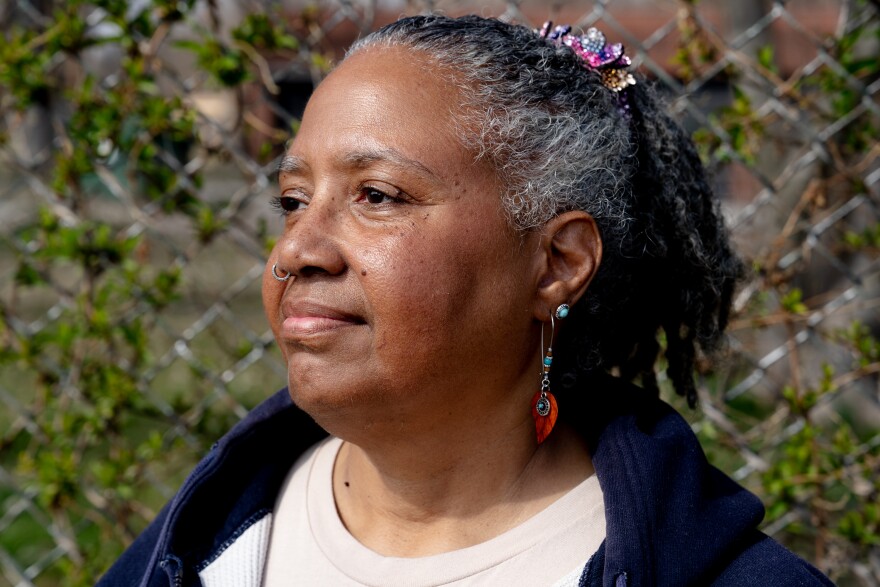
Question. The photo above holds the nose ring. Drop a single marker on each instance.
(278, 277)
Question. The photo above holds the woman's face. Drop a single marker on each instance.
(410, 294)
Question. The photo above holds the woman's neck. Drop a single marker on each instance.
(435, 493)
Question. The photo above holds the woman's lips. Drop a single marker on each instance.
(300, 326)
(307, 319)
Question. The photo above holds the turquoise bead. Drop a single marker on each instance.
(562, 312)
(547, 361)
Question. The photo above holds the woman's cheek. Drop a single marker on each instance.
(272, 291)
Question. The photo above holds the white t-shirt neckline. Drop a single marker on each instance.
(540, 551)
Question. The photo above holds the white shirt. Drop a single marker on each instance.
(551, 548)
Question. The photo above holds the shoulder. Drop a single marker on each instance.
(235, 483)
(766, 562)
(671, 517)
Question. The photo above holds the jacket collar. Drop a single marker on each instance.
(236, 483)
(671, 517)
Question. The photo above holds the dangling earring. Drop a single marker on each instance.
(544, 409)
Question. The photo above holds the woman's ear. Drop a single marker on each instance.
(571, 250)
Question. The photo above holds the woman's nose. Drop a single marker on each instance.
(310, 244)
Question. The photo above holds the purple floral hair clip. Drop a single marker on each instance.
(608, 60)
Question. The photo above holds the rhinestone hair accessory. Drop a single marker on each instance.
(609, 61)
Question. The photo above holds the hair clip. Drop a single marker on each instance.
(609, 60)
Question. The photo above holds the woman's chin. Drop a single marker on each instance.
(337, 406)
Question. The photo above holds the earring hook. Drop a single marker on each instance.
(552, 333)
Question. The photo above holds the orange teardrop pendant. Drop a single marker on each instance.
(544, 424)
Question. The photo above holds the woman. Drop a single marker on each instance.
(481, 222)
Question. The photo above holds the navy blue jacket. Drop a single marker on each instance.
(671, 518)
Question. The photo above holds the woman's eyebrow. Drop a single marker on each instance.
(292, 164)
(360, 159)
(366, 157)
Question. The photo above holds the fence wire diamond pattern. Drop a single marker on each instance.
(138, 144)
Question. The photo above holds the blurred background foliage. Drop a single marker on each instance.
(138, 142)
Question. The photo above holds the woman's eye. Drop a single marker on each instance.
(284, 205)
(383, 194)
(374, 196)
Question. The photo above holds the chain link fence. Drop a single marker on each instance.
(138, 143)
